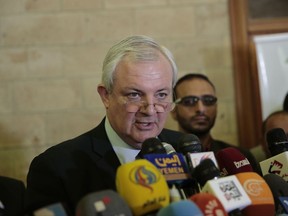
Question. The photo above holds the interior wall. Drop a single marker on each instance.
(51, 54)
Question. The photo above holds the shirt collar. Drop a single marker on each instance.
(124, 152)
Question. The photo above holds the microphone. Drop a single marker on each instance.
(104, 203)
(279, 189)
(151, 146)
(231, 161)
(142, 186)
(174, 168)
(277, 141)
(209, 204)
(190, 146)
(276, 165)
(180, 208)
(229, 191)
(205, 171)
(189, 143)
(55, 209)
(259, 193)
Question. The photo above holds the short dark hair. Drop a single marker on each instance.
(281, 112)
(191, 76)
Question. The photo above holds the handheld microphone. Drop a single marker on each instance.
(174, 168)
(104, 203)
(189, 143)
(229, 191)
(180, 208)
(279, 189)
(231, 161)
(209, 204)
(190, 146)
(151, 146)
(142, 186)
(277, 165)
(205, 171)
(277, 141)
(259, 193)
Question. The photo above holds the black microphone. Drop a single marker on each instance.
(151, 146)
(279, 189)
(277, 141)
(189, 143)
(205, 171)
(190, 146)
(278, 146)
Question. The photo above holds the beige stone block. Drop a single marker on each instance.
(91, 97)
(212, 20)
(82, 4)
(64, 126)
(166, 22)
(133, 3)
(45, 62)
(13, 63)
(47, 95)
(112, 25)
(22, 130)
(43, 29)
(84, 60)
(9, 7)
(43, 5)
(179, 2)
(187, 55)
(5, 98)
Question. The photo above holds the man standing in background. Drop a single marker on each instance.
(196, 111)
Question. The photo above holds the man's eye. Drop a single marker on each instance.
(133, 95)
(161, 95)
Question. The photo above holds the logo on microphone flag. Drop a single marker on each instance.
(142, 186)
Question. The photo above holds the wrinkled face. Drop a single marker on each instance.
(131, 107)
(197, 119)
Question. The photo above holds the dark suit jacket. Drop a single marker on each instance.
(68, 171)
(12, 196)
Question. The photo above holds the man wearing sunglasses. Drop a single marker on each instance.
(196, 111)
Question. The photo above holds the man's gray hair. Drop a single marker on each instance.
(139, 48)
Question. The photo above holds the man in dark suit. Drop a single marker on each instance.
(137, 92)
(12, 194)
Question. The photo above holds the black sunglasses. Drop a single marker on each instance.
(207, 100)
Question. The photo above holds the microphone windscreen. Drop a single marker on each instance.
(277, 141)
(209, 204)
(180, 208)
(189, 143)
(168, 148)
(151, 146)
(55, 209)
(259, 193)
(205, 171)
(102, 203)
(232, 161)
(142, 186)
(279, 188)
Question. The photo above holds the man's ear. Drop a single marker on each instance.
(104, 94)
